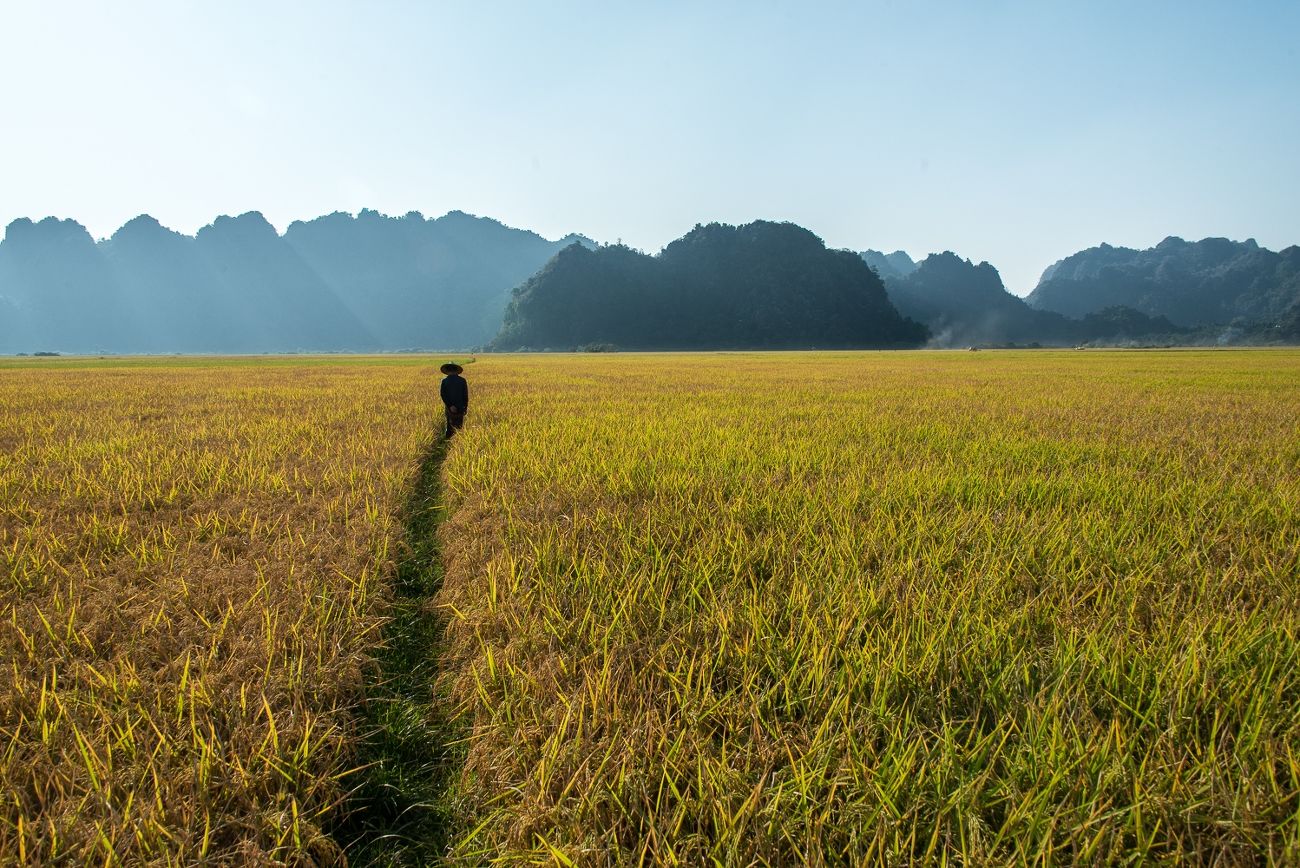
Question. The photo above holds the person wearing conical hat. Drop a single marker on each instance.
(455, 398)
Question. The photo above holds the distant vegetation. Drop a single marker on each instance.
(966, 304)
(343, 283)
(1209, 292)
(1212, 282)
(887, 265)
(762, 285)
(336, 283)
(770, 285)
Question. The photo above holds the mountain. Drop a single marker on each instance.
(170, 293)
(277, 300)
(762, 285)
(12, 323)
(369, 282)
(423, 283)
(54, 276)
(1287, 327)
(964, 304)
(337, 283)
(1203, 283)
(896, 264)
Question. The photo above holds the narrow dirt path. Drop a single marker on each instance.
(399, 812)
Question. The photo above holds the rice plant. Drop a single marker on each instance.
(1007, 607)
(195, 564)
(819, 608)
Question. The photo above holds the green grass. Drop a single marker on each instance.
(399, 810)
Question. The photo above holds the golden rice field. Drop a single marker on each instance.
(981, 608)
(817, 608)
(193, 559)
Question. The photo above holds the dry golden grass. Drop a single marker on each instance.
(192, 557)
(887, 607)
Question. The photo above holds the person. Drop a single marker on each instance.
(455, 397)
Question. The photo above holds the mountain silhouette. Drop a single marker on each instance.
(965, 304)
(761, 285)
(62, 288)
(896, 264)
(370, 282)
(1213, 281)
(337, 283)
(423, 283)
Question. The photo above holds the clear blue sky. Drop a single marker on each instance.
(1012, 132)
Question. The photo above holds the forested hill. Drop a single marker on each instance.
(965, 304)
(761, 285)
(336, 283)
(1209, 282)
(887, 265)
(375, 283)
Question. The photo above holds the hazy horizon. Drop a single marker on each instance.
(1016, 134)
(281, 228)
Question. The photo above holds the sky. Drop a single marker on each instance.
(1016, 133)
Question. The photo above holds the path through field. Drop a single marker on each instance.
(398, 813)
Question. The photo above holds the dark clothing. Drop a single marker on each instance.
(455, 398)
(455, 421)
(455, 392)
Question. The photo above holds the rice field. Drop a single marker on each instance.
(194, 558)
(979, 608)
(736, 609)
